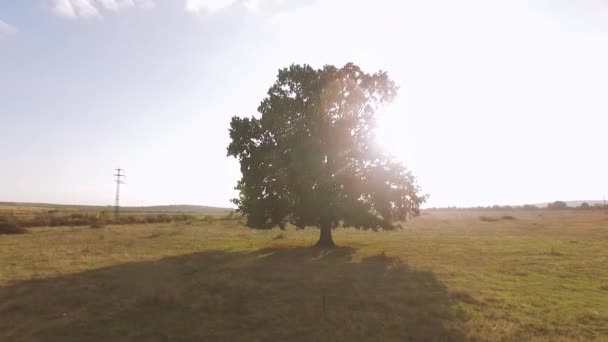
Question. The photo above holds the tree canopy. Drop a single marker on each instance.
(310, 158)
(558, 205)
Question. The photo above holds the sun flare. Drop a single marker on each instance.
(392, 130)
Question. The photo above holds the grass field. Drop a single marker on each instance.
(448, 276)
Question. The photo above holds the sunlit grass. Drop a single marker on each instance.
(447, 275)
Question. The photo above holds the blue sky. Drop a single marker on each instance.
(500, 102)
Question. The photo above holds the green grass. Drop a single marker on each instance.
(447, 276)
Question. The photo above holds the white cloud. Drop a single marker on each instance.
(75, 9)
(254, 6)
(92, 8)
(85, 8)
(116, 5)
(207, 5)
(6, 28)
(271, 5)
(63, 8)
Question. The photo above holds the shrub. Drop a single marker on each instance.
(104, 215)
(182, 217)
(230, 216)
(96, 219)
(39, 220)
(9, 218)
(97, 225)
(11, 228)
(488, 219)
(209, 219)
(133, 219)
(558, 205)
(496, 219)
(163, 218)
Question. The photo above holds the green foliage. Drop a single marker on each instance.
(584, 206)
(11, 228)
(56, 219)
(8, 218)
(484, 218)
(311, 160)
(8, 225)
(558, 205)
(94, 219)
(97, 224)
(127, 219)
(500, 207)
(159, 218)
(104, 216)
(488, 219)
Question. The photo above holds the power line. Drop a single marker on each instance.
(119, 176)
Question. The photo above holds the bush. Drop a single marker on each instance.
(131, 219)
(230, 216)
(11, 228)
(488, 219)
(209, 219)
(496, 219)
(104, 216)
(47, 219)
(182, 217)
(97, 219)
(97, 225)
(162, 218)
(558, 205)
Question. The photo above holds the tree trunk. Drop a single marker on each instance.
(325, 239)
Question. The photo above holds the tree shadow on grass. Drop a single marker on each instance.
(291, 294)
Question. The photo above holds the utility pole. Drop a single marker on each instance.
(119, 176)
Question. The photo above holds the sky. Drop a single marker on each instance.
(500, 102)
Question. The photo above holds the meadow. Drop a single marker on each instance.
(447, 276)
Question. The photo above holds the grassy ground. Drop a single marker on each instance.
(448, 276)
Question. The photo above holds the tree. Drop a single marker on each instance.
(310, 159)
(557, 205)
(584, 206)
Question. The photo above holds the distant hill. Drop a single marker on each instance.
(182, 208)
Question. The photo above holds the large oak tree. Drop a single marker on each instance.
(310, 159)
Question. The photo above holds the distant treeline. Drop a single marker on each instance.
(557, 205)
(58, 218)
(181, 208)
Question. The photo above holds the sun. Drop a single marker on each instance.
(391, 130)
